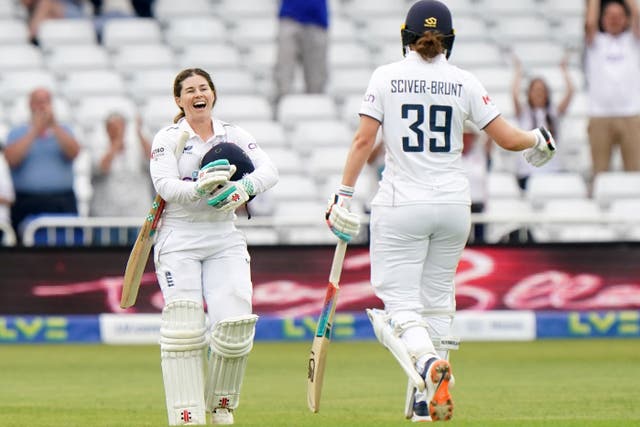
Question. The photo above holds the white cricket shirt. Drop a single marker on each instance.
(422, 107)
(174, 181)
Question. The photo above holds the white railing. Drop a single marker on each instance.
(103, 229)
(8, 234)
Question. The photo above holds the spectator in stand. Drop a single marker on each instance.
(40, 155)
(41, 10)
(7, 194)
(302, 39)
(121, 183)
(141, 8)
(108, 10)
(539, 110)
(612, 67)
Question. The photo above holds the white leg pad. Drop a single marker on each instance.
(182, 342)
(390, 338)
(231, 342)
(442, 344)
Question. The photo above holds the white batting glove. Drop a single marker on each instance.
(213, 175)
(232, 195)
(543, 150)
(344, 224)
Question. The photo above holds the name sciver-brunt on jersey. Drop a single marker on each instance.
(433, 87)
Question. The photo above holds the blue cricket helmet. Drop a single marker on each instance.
(234, 154)
(428, 15)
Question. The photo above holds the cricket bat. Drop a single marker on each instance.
(144, 241)
(320, 345)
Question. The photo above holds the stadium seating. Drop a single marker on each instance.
(14, 84)
(183, 31)
(18, 57)
(287, 161)
(90, 111)
(122, 32)
(310, 135)
(502, 212)
(569, 220)
(167, 10)
(545, 187)
(233, 108)
(268, 133)
(67, 58)
(295, 107)
(9, 9)
(501, 185)
(609, 187)
(12, 31)
(132, 58)
(133, 66)
(72, 31)
(210, 56)
(622, 213)
(82, 83)
(152, 82)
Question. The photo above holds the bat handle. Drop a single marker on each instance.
(158, 214)
(338, 259)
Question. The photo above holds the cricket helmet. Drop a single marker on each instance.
(428, 15)
(235, 155)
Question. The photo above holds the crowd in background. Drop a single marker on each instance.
(36, 160)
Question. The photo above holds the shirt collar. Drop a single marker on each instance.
(413, 55)
(218, 128)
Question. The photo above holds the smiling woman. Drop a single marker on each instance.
(199, 252)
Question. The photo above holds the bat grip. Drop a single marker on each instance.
(158, 214)
(338, 259)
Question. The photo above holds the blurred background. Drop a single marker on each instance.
(545, 246)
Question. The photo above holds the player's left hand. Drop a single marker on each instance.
(543, 150)
(342, 222)
(231, 196)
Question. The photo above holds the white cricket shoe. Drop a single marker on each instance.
(421, 413)
(222, 416)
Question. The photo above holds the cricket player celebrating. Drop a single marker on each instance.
(199, 252)
(420, 218)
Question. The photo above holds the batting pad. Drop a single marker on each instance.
(390, 338)
(182, 342)
(230, 344)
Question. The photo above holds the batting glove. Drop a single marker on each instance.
(232, 195)
(344, 224)
(543, 150)
(213, 175)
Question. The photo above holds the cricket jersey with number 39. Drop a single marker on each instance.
(422, 106)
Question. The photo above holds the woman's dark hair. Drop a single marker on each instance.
(429, 45)
(181, 77)
(548, 118)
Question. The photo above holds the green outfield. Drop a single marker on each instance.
(560, 383)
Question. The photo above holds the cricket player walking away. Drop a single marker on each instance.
(200, 253)
(420, 218)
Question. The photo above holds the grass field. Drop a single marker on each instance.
(544, 383)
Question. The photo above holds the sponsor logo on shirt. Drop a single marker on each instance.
(157, 153)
